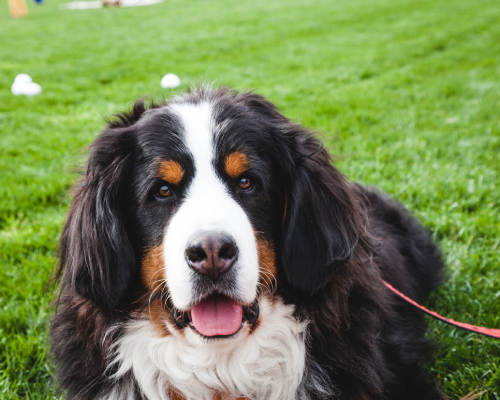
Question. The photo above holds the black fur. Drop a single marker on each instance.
(96, 255)
(334, 242)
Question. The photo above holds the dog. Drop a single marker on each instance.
(212, 251)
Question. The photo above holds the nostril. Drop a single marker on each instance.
(227, 251)
(196, 254)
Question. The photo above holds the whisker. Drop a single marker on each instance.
(152, 293)
(167, 298)
(272, 284)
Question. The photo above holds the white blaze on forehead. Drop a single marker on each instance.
(198, 136)
(207, 206)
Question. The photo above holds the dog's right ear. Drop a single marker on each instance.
(96, 259)
(323, 218)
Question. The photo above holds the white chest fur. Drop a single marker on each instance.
(267, 364)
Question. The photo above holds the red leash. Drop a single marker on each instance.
(494, 333)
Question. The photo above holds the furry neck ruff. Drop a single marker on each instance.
(267, 364)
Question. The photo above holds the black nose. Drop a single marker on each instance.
(212, 254)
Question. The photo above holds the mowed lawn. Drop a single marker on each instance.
(406, 91)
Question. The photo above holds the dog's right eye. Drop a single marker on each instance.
(163, 191)
(245, 184)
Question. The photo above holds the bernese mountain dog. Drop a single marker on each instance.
(213, 252)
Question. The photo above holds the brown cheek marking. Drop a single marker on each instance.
(153, 278)
(171, 172)
(152, 266)
(236, 164)
(267, 263)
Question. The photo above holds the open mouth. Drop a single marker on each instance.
(217, 316)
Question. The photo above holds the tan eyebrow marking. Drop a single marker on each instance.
(236, 164)
(171, 172)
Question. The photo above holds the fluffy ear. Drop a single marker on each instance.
(96, 258)
(322, 220)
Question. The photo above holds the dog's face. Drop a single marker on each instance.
(206, 208)
(206, 203)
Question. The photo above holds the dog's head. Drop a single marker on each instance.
(202, 204)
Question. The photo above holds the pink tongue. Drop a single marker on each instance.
(217, 315)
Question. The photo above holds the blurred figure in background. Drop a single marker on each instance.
(18, 9)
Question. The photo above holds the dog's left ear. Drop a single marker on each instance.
(322, 222)
(96, 259)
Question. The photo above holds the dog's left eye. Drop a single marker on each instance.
(163, 191)
(245, 184)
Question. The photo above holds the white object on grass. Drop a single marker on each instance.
(87, 4)
(23, 84)
(170, 81)
(134, 3)
(80, 5)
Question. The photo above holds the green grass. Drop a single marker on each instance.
(407, 90)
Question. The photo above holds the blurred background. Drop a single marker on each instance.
(406, 91)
